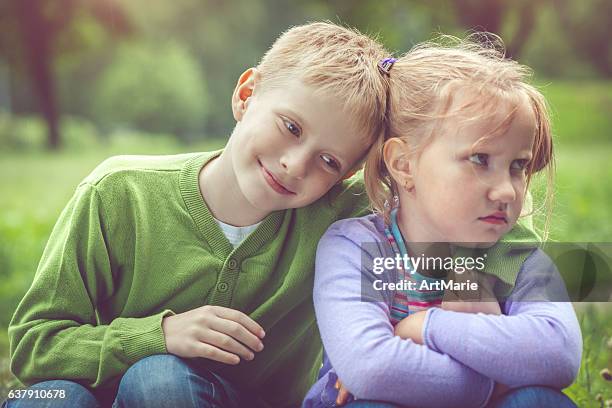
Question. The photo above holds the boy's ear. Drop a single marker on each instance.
(399, 164)
(243, 92)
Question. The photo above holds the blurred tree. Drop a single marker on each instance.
(30, 42)
(69, 52)
(399, 25)
(549, 53)
(587, 25)
(153, 87)
(491, 16)
(224, 38)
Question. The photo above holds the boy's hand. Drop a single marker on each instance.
(213, 332)
(343, 393)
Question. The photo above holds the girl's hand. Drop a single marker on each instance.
(213, 332)
(343, 393)
(481, 302)
(472, 307)
(411, 327)
(499, 390)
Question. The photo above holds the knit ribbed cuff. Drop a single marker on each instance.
(142, 337)
(426, 333)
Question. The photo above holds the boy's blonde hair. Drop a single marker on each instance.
(422, 85)
(337, 60)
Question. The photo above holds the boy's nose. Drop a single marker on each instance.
(295, 165)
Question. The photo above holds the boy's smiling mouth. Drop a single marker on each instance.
(273, 181)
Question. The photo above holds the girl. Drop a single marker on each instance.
(465, 135)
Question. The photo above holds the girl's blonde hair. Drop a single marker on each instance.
(421, 88)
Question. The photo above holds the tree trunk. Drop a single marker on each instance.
(589, 36)
(480, 15)
(489, 16)
(526, 23)
(38, 37)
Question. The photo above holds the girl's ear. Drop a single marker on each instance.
(399, 162)
(243, 92)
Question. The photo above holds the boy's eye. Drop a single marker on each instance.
(519, 164)
(480, 159)
(330, 162)
(293, 128)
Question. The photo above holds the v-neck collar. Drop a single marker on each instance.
(207, 226)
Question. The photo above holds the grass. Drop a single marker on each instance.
(596, 324)
(582, 192)
(580, 110)
(35, 186)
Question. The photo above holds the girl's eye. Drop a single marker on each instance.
(519, 164)
(293, 128)
(330, 162)
(480, 159)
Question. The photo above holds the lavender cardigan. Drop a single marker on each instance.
(531, 343)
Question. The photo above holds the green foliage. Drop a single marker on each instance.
(153, 87)
(583, 146)
(28, 133)
(549, 51)
(581, 111)
(596, 323)
(580, 212)
(114, 62)
(21, 133)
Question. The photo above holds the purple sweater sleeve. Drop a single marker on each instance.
(358, 337)
(535, 341)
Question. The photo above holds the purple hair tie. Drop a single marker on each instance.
(384, 66)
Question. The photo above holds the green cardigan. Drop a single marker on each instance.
(136, 243)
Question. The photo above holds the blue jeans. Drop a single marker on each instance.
(526, 397)
(162, 380)
(531, 397)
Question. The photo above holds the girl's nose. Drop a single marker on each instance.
(502, 191)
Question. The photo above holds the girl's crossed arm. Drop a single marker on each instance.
(370, 360)
(536, 342)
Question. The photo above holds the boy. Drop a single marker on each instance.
(164, 276)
